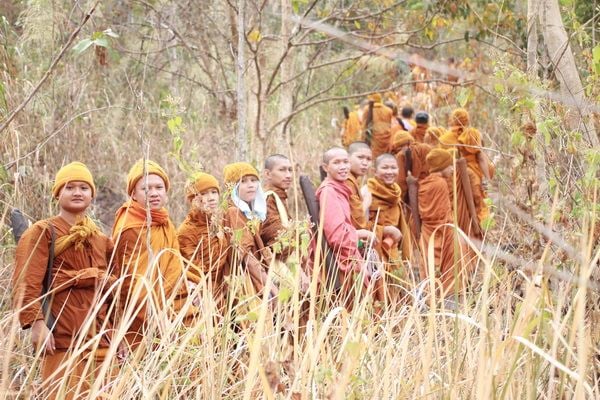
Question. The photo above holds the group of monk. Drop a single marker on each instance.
(73, 285)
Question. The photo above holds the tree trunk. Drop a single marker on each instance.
(287, 71)
(532, 71)
(561, 56)
(242, 137)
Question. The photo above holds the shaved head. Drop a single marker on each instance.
(384, 157)
(332, 152)
(357, 146)
(273, 159)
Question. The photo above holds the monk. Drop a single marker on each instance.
(422, 120)
(360, 157)
(458, 122)
(435, 211)
(406, 118)
(402, 144)
(343, 238)
(377, 124)
(477, 161)
(351, 128)
(466, 219)
(201, 236)
(432, 136)
(79, 274)
(383, 198)
(278, 179)
(147, 255)
(246, 212)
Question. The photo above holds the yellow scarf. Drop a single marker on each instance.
(77, 236)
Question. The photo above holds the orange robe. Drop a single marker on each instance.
(419, 132)
(472, 137)
(247, 245)
(450, 138)
(273, 225)
(79, 276)
(381, 128)
(386, 208)
(166, 276)
(202, 241)
(352, 129)
(463, 217)
(419, 170)
(357, 213)
(435, 211)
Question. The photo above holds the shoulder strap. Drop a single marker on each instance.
(281, 210)
(47, 300)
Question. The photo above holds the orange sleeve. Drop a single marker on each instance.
(31, 262)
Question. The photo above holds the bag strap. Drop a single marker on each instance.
(47, 300)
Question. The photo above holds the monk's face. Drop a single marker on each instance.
(338, 167)
(280, 175)
(75, 197)
(248, 188)
(360, 161)
(208, 200)
(156, 195)
(387, 171)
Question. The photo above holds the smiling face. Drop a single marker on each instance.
(338, 164)
(248, 188)
(280, 175)
(387, 170)
(75, 197)
(156, 193)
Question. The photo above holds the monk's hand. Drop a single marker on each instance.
(366, 235)
(191, 286)
(41, 336)
(392, 232)
(122, 352)
(410, 179)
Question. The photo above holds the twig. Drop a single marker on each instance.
(50, 69)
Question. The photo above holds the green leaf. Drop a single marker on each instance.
(101, 41)
(596, 59)
(357, 24)
(285, 294)
(82, 46)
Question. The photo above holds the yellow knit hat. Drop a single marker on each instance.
(459, 117)
(232, 173)
(200, 182)
(472, 139)
(137, 172)
(73, 172)
(435, 131)
(375, 97)
(438, 160)
(401, 138)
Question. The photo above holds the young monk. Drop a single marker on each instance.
(351, 128)
(79, 273)
(201, 236)
(468, 190)
(378, 122)
(247, 210)
(383, 198)
(343, 238)
(436, 211)
(432, 136)
(406, 118)
(278, 179)
(360, 157)
(422, 120)
(141, 221)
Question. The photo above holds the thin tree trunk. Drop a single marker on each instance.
(287, 72)
(242, 137)
(532, 71)
(561, 56)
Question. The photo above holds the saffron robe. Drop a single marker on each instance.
(381, 128)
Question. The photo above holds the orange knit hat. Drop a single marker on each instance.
(73, 172)
(375, 97)
(438, 160)
(137, 172)
(200, 182)
(232, 173)
(400, 139)
(459, 117)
